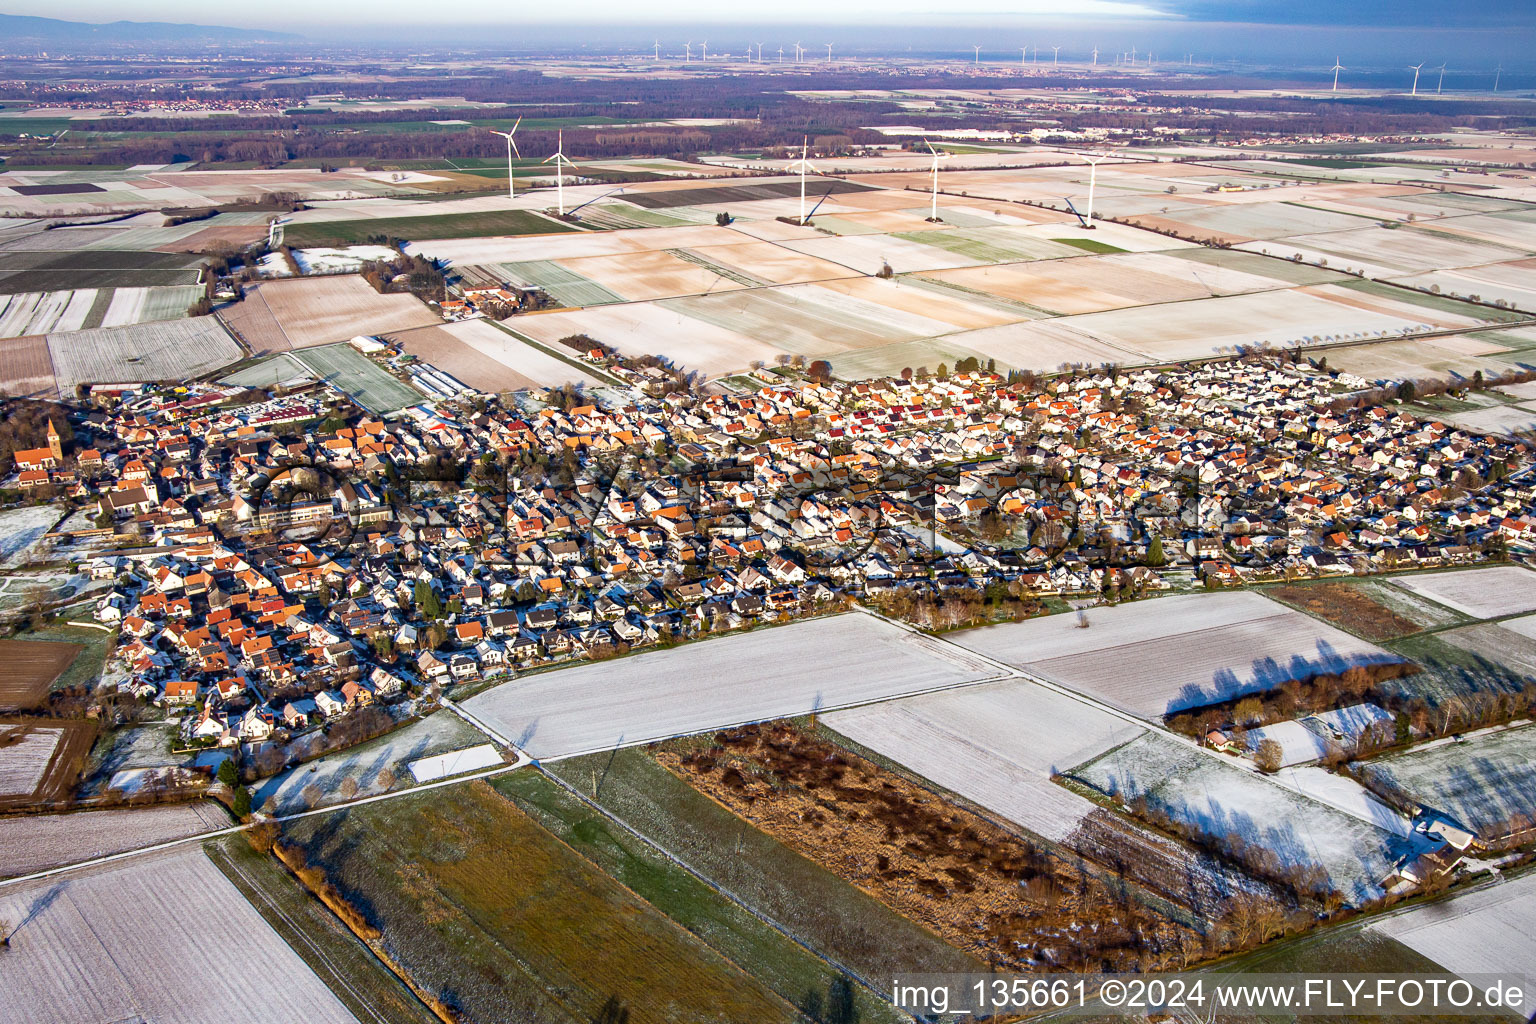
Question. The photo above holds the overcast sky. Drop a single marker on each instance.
(1380, 31)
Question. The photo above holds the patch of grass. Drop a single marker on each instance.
(730, 929)
(349, 969)
(453, 225)
(1347, 607)
(86, 668)
(812, 904)
(495, 916)
(1089, 245)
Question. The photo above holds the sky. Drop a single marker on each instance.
(1304, 31)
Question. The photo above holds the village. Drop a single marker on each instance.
(273, 564)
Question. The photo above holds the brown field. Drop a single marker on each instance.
(1348, 608)
(40, 759)
(894, 294)
(1078, 285)
(212, 239)
(31, 668)
(655, 274)
(25, 367)
(985, 890)
(773, 263)
(436, 346)
(277, 316)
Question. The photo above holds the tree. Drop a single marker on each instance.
(241, 804)
(1155, 556)
(820, 370)
(227, 773)
(1270, 756)
(348, 788)
(1406, 391)
(311, 795)
(427, 601)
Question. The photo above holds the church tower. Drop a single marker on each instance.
(55, 443)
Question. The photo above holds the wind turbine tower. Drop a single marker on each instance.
(558, 156)
(1415, 69)
(657, 55)
(511, 148)
(1496, 73)
(1095, 56)
(1023, 54)
(933, 208)
(1441, 82)
(704, 51)
(1337, 67)
(781, 55)
(688, 51)
(1093, 180)
(1055, 55)
(978, 54)
(804, 165)
(829, 53)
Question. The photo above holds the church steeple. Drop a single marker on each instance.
(55, 443)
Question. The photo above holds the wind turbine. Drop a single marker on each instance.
(657, 55)
(511, 148)
(933, 209)
(760, 53)
(804, 165)
(1093, 180)
(829, 53)
(1023, 54)
(704, 51)
(1055, 55)
(688, 51)
(1133, 56)
(1415, 69)
(781, 55)
(1496, 73)
(558, 156)
(798, 52)
(1441, 82)
(1095, 56)
(978, 54)
(1337, 67)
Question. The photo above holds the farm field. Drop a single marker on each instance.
(1477, 933)
(1216, 800)
(137, 935)
(1486, 783)
(792, 972)
(364, 764)
(341, 366)
(939, 864)
(482, 906)
(490, 358)
(1349, 607)
(341, 961)
(22, 530)
(996, 744)
(1511, 282)
(477, 251)
(170, 350)
(811, 903)
(1380, 252)
(35, 271)
(277, 316)
(1446, 359)
(36, 842)
(1187, 651)
(31, 668)
(31, 313)
(1481, 593)
(26, 370)
(818, 664)
(40, 759)
(651, 328)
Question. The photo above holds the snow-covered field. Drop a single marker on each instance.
(996, 744)
(1491, 931)
(1482, 593)
(341, 261)
(1219, 800)
(455, 762)
(20, 531)
(163, 938)
(818, 664)
(1157, 657)
(435, 734)
(1486, 783)
(38, 841)
(24, 756)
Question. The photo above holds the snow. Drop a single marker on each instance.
(816, 664)
(1297, 743)
(1481, 593)
(350, 258)
(455, 762)
(20, 531)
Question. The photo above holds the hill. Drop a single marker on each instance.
(21, 34)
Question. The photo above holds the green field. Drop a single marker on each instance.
(1089, 245)
(784, 966)
(33, 125)
(819, 909)
(453, 225)
(501, 919)
(348, 968)
(341, 366)
(989, 244)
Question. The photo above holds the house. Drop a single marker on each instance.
(330, 703)
(297, 714)
(179, 691)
